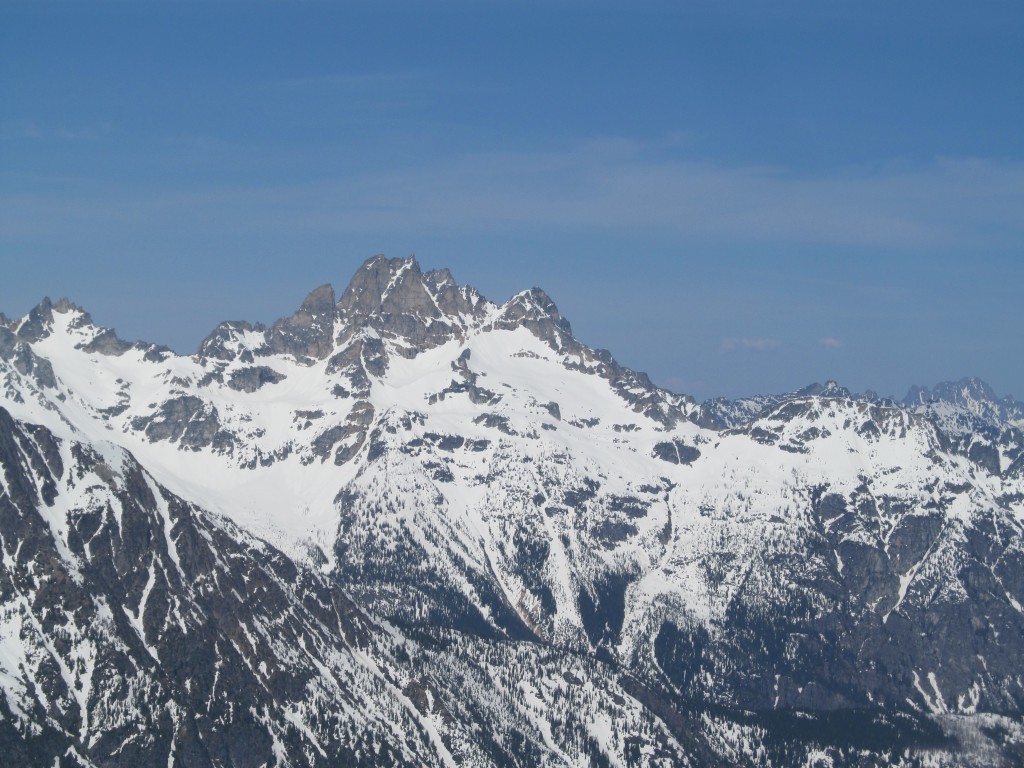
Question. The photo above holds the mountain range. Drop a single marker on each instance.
(411, 526)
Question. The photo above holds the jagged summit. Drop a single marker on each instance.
(384, 287)
(309, 333)
(396, 301)
(36, 325)
(723, 413)
(391, 308)
(39, 324)
(320, 301)
(972, 395)
(830, 388)
(333, 355)
(418, 310)
(969, 389)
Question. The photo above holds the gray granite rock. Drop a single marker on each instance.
(309, 333)
(216, 346)
(38, 323)
(253, 378)
(25, 361)
(188, 420)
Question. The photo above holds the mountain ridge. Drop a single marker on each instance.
(381, 285)
(470, 471)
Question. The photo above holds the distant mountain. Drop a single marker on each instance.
(972, 395)
(722, 413)
(413, 525)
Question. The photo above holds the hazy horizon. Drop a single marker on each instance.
(728, 345)
(736, 199)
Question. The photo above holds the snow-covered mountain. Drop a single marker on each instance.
(973, 395)
(414, 525)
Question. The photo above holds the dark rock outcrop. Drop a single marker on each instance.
(309, 333)
(253, 378)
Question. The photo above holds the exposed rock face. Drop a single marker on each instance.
(534, 310)
(218, 345)
(187, 420)
(397, 300)
(106, 342)
(252, 378)
(309, 333)
(24, 360)
(37, 324)
(676, 452)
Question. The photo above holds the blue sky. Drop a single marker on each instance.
(735, 197)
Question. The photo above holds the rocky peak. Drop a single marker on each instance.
(375, 281)
(309, 333)
(406, 294)
(398, 302)
(452, 299)
(319, 302)
(534, 310)
(393, 287)
(219, 344)
(64, 305)
(79, 317)
(830, 388)
(722, 413)
(967, 390)
(37, 324)
(418, 310)
(970, 395)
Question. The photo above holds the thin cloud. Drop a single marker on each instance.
(608, 186)
(349, 80)
(753, 345)
(363, 93)
(30, 130)
(830, 343)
